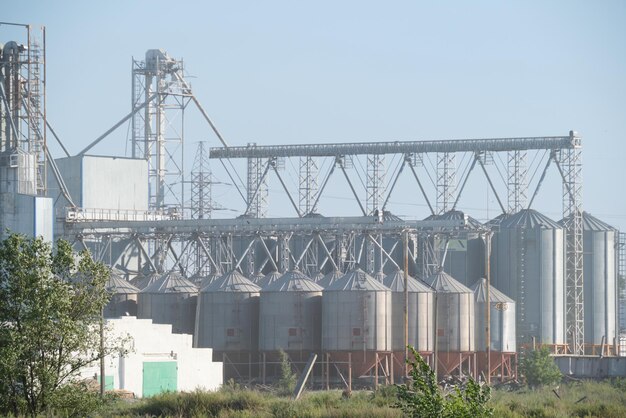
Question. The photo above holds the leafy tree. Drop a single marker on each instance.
(539, 368)
(287, 381)
(50, 308)
(421, 396)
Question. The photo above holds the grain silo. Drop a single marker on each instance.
(356, 323)
(123, 300)
(421, 305)
(290, 319)
(330, 278)
(228, 322)
(502, 345)
(170, 300)
(527, 264)
(465, 252)
(454, 324)
(600, 284)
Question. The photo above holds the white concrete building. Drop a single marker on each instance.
(158, 360)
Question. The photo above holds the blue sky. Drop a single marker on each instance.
(277, 72)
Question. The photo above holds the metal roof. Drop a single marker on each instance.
(480, 293)
(257, 277)
(269, 278)
(395, 282)
(117, 285)
(357, 279)
(293, 281)
(172, 282)
(209, 279)
(443, 282)
(330, 278)
(141, 281)
(495, 222)
(591, 223)
(456, 215)
(319, 276)
(232, 282)
(529, 218)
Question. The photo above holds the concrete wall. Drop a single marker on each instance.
(591, 366)
(156, 343)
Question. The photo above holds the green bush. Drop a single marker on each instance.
(539, 368)
(75, 400)
(422, 397)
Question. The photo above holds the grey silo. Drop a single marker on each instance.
(528, 265)
(356, 314)
(170, 300)
(501, 319)
(330, 278)
(421, 305)
(455, 313)
(207, 280)
(290, 314)
(465, 257)
(318, 276)
(123, 300)
(257, 277)
(600, 280)
(269, 278)
(228, 314)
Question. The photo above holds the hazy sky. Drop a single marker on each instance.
(294, 72)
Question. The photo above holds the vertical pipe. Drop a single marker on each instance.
(376, 370)
(488, 310)
(102, 371)
(406, 299)
(349, 373)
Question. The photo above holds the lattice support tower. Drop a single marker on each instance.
(375, 183)
(257, 191)
(571, 164)
(446, 181)
(157, 131)
(201, 181)
(517, 184)
(307, 184)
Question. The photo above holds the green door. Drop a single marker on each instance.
(159, 376)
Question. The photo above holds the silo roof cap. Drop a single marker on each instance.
(330, 278)
(480, 293)
(357, 279)
(269, 278)
(591, 223)
(117, 285)
(444, 283)
(529, 218)
(232, 282)
(172, 282)
(293, 281)
(456, 215)
(395, 282)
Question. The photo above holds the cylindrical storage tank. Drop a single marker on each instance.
(356, 314)
(600, 280)
(420, 313)
(228, 315)
(501, 319)
(527, 264)
(465, 255)
(142, 281)
(268, 279)
(330, 278)
(213, 276)
(170, 300)
(123, 300)
(455, 314)
(290, 315)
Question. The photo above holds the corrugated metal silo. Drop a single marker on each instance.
(454, 323)
(123, 300)
(421, 307)
(228, 315)
(600, 282)
(465, 258)
(356, 318)
(502, 319)
(291, 314)
(527, 264)
(170, 300)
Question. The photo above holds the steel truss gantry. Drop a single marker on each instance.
(279, 244)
